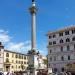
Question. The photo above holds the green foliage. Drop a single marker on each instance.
(22, 66)
(45, 61)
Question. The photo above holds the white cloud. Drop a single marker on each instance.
(15, 46)
(1, 31)
(4, 37)
(19, 47)
(22, 47)
(27, 45)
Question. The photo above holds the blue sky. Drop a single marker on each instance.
(15, 21)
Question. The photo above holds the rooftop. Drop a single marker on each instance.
(61, 30)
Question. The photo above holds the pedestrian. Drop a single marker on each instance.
(0, 73)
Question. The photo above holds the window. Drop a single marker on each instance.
(16, 61)
(16, 56)
(68, 57)
(73, 31)
(24, 62)
(50, 58)
(19, 67)
(74, 46)
(67, 33)
(0, 43)
(50, 51)
(62, 58)
(12, 61)
(7, 60)
(73, 39)
(12, 67)
(54, 42)
(61, 41)
(49, 37)
(61, 34)
(27, 62)
(54, 36)
(27, 57)
(19, 56)
(12, 55)
(61, 49)
(21, 62)
(54, 58)
(7, 54)
(50, 43)
(62, 69)
(24, 57)
(67, 40)
(39, 64)
(55, 69)
(68, 48)
(16, 66)
(49, 64)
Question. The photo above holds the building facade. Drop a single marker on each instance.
(41, 61)
(61, 48)
(1, 57)
(14, 61)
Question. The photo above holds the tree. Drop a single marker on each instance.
(22, 66)
(45, 61)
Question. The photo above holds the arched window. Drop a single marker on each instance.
(7, 54)
(67, 40)
(61, 41)
(7, 60)
(67, 33)
(73, 39)
(54, 36)
(50, 37)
